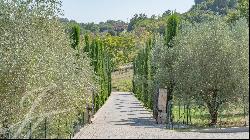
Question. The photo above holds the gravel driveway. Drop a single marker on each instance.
(123, 117)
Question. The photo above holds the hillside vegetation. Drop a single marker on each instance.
(53, 71)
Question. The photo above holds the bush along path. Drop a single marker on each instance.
(123, 116)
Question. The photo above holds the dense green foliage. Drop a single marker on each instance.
(205, 59)
(171, 30)
(41, 77)
(120, 48)
(208, 64)
(212, 68)
(75, 36)
(102, 64)
(217, 6)
(135, 19)
(143, 76)
(112, 27)
(51, 68)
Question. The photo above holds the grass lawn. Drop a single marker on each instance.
(122, 80)
(201, 118)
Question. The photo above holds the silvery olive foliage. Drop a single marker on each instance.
(162, 59)
(213, 55)
(40, 74)
(210, 64)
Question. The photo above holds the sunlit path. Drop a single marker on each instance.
(122, 116)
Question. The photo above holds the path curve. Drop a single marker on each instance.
(123, 117)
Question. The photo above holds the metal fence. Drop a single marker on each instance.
(190, 115)
(46, 127)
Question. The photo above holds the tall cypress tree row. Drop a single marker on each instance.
(145, 75)
(142, 80)
(102, 67)
(144, 85)
(150, 83)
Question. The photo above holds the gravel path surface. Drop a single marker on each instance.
(123, 117)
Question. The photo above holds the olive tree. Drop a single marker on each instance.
(212, 64)
(40, 74)
(164, 57)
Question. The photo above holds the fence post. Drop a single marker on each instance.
(183, 120)
(179, 111)
(58, 125)
(8, 133)
(169, 114)
(187, 112)
(72, 129)
(220, 122)
(45, 127)
(88, 111)
(30, 131)
(179, 107)
(190, 120)
(74, 125)
(167, 120)
(244, 109)
(67, 126)
(69, 129)
(83, 118)
(93, 102)
(200, 118)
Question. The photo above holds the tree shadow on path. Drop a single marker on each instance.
(146, 122)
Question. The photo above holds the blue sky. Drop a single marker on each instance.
(102, 10)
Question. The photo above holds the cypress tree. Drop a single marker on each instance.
(75, 37)
(142, 75)
(171, 31)
(101, 62)
(87, 43)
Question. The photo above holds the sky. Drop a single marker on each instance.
(102, 10)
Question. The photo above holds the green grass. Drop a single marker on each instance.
(201, 118)
(122, 81)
